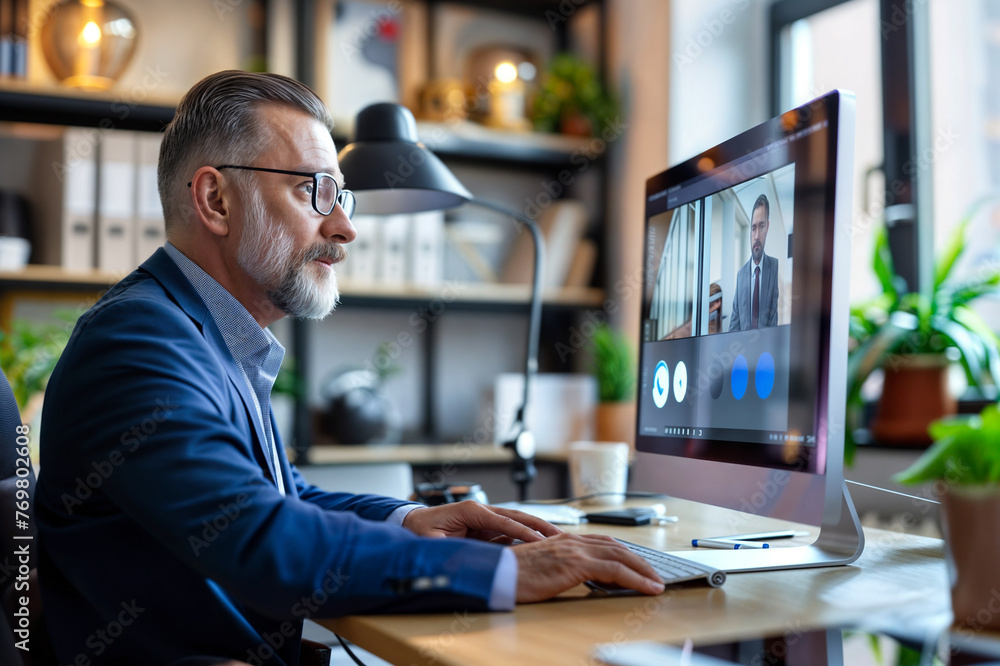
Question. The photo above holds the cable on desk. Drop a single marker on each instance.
(350, 654)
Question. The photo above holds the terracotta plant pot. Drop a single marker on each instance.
(914, 394)
(615, 422)
(972, 515)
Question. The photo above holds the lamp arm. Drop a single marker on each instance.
(523, 442)
(535, 317)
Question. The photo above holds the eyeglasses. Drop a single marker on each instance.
(326, 193)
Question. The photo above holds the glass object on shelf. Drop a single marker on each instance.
(508, 76)
(88, 43)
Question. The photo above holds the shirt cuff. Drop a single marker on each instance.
(503, 594)
(399, 514)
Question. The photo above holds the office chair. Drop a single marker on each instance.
(41, 653)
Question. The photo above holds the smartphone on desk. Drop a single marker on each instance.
(633, 516)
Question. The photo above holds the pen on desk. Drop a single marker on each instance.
(726, 545)
(760, 536)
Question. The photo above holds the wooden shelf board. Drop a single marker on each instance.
(466, 292)
(59, 277)
(26, 102)
(449, 292)
(472, 140)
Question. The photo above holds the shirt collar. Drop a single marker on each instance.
(246, 340)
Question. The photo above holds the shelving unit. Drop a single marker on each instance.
(463, 143)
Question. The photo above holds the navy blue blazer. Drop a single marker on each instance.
(161, 533)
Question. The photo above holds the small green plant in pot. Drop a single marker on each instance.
(914, 337)
(572, 99)
(614, 369)
(29, 351)
(965, 462)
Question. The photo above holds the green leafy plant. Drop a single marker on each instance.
(29, 352)
(571, 90)
(897, 323)
(966, 452)
(613, 365)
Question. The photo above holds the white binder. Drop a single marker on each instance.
(426, 248)
(150, 233)
(65, 199)
(361, 265)
(393, 240)
(116, 203)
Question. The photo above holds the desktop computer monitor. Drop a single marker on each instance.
(743, 352)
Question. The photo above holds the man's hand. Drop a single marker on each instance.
(546, 568)
(477, 521)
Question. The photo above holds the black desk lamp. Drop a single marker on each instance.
(391, 172)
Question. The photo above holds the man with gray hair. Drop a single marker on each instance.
(171, 524)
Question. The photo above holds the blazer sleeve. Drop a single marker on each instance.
(372, 507)
(734, 318)
(772, 306)
(140, 383)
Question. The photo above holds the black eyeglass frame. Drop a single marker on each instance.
(343, 196)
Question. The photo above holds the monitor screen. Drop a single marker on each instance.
(738, 348)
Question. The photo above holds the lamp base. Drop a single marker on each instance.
(88, 82)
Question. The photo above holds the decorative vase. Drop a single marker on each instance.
(615, 422)
(971, 517)
(88, 43)
(914, 394)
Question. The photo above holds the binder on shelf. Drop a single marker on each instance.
(6, 37)
(562, 225)
(581, 268)
(426, 248)
(19, 48)
(393, 239)
(65, 199)
(150, 232)
(361, 264)
(116, 203)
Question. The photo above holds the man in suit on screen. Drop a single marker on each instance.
(755, 303)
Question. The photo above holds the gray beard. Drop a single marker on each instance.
(266, 255)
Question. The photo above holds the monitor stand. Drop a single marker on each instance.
(840, 541)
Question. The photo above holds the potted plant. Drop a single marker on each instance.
(572, 99)
(914, 337)
(29, 351)
(614, 369)
(965, 462)
(28, 354)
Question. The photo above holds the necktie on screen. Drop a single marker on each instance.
(755, 308)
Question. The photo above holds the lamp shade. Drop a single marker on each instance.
(88, 43)
(390, 171)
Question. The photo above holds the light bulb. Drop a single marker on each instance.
(506, 72)
(91, 33)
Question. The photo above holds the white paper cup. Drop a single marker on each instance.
(599, 467)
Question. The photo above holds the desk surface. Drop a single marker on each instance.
(897, 579)
(459, 453)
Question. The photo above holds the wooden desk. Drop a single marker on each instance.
(898, 578)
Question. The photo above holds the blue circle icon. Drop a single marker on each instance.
(739, 376)
(764, 375)
(661, 385)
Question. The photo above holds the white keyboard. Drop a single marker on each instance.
(670, 568)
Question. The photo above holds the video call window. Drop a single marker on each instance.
(743, 281)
